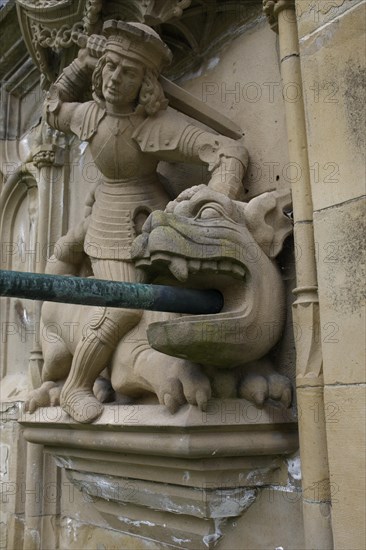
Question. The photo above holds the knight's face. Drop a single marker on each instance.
(122, 80)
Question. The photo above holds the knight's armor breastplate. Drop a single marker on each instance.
(130, 186)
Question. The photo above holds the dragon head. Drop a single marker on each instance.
(205, 240)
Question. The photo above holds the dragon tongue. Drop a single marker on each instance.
(179, 268)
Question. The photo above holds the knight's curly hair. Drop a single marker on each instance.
(151, 97)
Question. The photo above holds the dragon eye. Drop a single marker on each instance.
(207, 213)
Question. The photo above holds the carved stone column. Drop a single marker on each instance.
(309, 369)
(49, 159)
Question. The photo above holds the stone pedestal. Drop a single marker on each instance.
(170, 479)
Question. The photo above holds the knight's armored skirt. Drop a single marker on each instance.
(112, 226)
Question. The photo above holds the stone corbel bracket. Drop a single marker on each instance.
(167, 477)
(159, 11)
(49, 25)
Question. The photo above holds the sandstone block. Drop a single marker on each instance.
(341, 275)
(346, 453)
(331, 61)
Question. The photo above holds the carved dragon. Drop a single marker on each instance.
(203, 239)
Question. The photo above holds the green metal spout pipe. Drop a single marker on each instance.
(97, 292)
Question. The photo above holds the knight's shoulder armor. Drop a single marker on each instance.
(85, 120)
(161, 132)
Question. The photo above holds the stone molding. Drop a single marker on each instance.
(159, 476)
(188, 433)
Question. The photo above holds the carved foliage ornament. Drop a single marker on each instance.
(59, 24)
(64, 37)
(43, 4)
(190, 28)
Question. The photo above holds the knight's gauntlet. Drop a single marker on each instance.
(227, 162)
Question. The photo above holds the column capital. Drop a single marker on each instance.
(273, 7)
(48, 154)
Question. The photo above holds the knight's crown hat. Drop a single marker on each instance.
(138, 42)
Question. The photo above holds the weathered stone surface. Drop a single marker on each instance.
(179, 529)
(318, 522)
(339, 235)
(312, 15)
(245, 533)
(165, 477)
(13, 534)
(12, 477)
(332, 63)
(250, 532)
(248, 88)
(75, 535)
(346, 422)
(185, 434)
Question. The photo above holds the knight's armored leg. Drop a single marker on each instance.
(106, 328)
(92, 355)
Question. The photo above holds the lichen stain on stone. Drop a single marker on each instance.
(354, 100)
(258, 476)
(345, 274)
(332, 7)
(64, 462)
(136, 523)
(294, 467)
(232, 502)
(322, 39)
(21, 313)
(180, 541)
(71, 527)
(213, 538)
(3, 535)
(4, 460)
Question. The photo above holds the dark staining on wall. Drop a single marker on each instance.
(354, 101)
(345, 273)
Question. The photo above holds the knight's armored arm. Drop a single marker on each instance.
(227, 159)
(72, 81)
(65, 95)
(227, 162)
(63, 107)
(174, 139)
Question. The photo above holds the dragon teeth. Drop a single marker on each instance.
(179, 268)
(145, 262)
(238, 271)
(225, 266)
(139, 246)
(209, 266)
(161, 258)
(194, 266)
